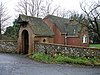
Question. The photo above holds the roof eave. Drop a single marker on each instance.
(44, 35)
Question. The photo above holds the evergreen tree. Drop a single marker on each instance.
(12, 31)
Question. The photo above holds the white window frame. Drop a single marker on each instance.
(84, 39)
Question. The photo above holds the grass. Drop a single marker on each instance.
(61, 59)
(41, 57)
(95, 45)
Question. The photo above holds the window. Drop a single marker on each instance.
(74, 31)
(84, 39)
(44, 40)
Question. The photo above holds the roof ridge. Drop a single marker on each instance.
(65, 25)
(39, 27)
(56, 17)
(29, 16)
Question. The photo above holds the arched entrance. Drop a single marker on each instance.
(25, 42)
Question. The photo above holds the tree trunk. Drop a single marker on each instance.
(0, 29)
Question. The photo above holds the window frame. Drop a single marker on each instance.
(84, 39)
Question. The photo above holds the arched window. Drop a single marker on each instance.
(84, 39)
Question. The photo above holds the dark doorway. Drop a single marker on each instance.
(25, 42)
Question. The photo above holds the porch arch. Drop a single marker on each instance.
(25, 41)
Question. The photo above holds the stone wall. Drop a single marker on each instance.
(67, 50)
(8, 46)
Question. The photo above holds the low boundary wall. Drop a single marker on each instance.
(8, 46)
(67, 50)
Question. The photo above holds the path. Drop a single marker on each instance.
(13, 64)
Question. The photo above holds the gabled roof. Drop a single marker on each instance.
(72, 30)
(65, 25)
(38, 26)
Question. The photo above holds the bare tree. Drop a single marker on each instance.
(4, 17)
(32, 7)
(48, 8)
(61, 13)
(22, 7)
(93, 16)
(35, 7)
(38, 5)
(66, 13)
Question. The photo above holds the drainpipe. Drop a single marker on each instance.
(65, 38)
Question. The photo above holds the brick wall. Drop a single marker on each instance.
(76, 41)
(67, 50)
(8, 46)
(58, 38)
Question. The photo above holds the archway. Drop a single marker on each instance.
(25, 42)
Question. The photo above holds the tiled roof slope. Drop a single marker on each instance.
(38, 26)
(65, 25)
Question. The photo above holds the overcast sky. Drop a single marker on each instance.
(65, 4)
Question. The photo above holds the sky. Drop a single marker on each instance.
(69, 4)
(64, 4)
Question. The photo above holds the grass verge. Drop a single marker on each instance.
(61, 59)
(95, 45)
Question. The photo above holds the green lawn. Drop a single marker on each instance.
(95, 45)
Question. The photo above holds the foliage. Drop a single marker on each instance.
(41, 57)
(91, 9)
(12, 31)
(65, 59)
(73, 60)
(82, 19)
